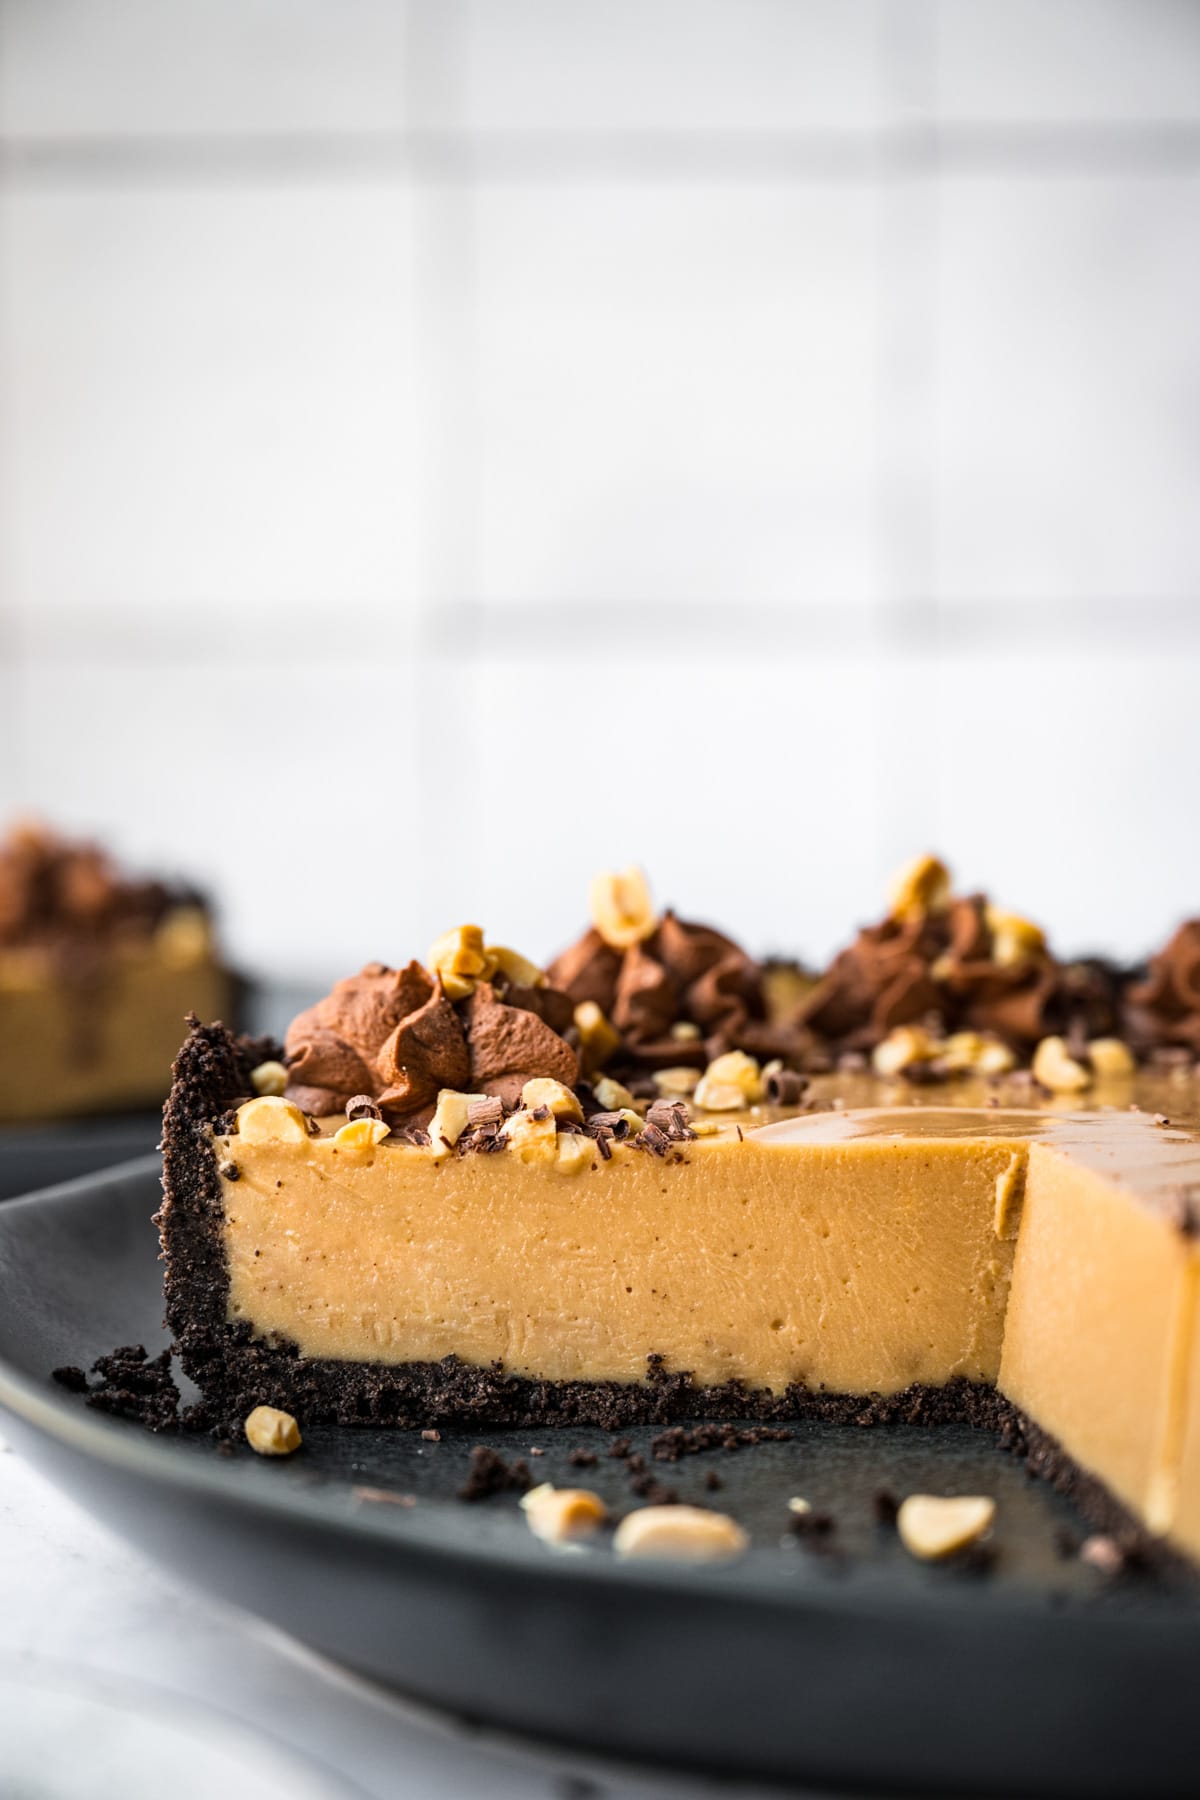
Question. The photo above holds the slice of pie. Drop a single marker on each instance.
(97, 974)
(630, 1188)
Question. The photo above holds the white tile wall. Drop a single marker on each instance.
(1069, 388)
(752, 437)
(286, 789)
(699, 768)
(209, 402)
(676, 394)
(128, 68)
(1069, 62)
(691, 65)
(1071, 792)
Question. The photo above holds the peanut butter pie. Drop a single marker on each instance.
(97, 972)
(952, 1177)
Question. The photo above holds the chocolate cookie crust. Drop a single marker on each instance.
(210, 1074)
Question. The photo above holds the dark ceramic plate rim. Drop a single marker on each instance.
(422, 1529)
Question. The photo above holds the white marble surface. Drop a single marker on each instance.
(108, 1670)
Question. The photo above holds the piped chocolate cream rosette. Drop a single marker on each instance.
(1162, 1012)
(661, 1003)
(949, 984)
(479, 1019)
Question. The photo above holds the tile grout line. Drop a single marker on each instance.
(898, 151)
(469, 631)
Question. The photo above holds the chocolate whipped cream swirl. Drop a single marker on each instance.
(394, 1035)
(942, 966)
(679, 974)
(1163, 1011)
(54, 893)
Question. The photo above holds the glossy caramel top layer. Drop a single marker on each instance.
(1147, 1153)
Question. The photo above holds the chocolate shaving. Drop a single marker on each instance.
(786, 1087)
(671, 1118)
(361, 1106)
(614, 1123)
(480, 1140)
(488, 1111)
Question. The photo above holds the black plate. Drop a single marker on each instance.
(34, 1156)
(860, 1670)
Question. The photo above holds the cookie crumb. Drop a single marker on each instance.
(489, 1474)
(885, 1505)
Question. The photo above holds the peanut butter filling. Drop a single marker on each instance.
(851, 1269)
